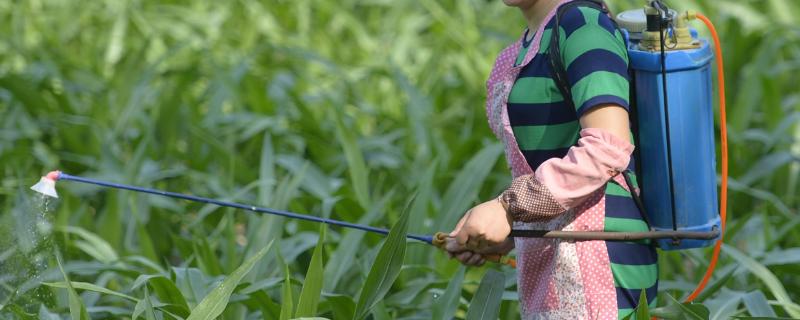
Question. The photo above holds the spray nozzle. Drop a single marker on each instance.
(47, 184)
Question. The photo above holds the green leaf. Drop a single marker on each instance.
(678, 310)
(165, 290)
(76, 308)
(312, 286)
(287, 301)
(206, 258)
(355, 160)
(716, 285)
(386, 267)
(445, 307)
(92, 244)
(342, 306)
(643, 310)
(485, 303)
(766, 276)
(90, 287)
(341, 259)
(144, 306)
(757, 304)
(216, 300)
(464, 188)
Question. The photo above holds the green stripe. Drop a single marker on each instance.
(630, 276)
(544, 44)
(599, 83)
(547, 137)
(521, 56)
(614, 189)
(534, 90)
(589, 37)
(624, 225)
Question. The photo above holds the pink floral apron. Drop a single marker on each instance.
(556, 279)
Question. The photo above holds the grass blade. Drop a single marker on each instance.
(446, 307)
(287, 302)
(465, 186)
(342, 306)
(757, 304)
(643, 310)
(386, 266)
(312, 286)
(485, 303)
(90, 287)
(355, 161)
(766, 276)
(76, 308)
(144, 306)
(92, 244)
(216, 300)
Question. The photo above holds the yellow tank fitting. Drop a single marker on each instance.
(683, 36)
(651, 40)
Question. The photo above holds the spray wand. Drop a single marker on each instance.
(47, 186)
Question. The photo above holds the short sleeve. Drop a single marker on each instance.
(595, 58)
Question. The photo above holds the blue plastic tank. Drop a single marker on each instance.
(691, 133)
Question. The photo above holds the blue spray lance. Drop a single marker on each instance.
(47, 185)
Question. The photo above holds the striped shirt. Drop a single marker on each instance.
(546, 126)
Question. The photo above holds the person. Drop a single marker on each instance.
(566, 155)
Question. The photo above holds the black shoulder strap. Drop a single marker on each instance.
(554, 51)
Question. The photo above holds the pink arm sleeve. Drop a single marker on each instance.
(560, 184)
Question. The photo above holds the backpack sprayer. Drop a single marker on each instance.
(671, 114)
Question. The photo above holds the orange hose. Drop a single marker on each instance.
(723, 133)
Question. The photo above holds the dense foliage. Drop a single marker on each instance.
(342, 109)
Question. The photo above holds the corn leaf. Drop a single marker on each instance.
(215, 302)
(485, 303)
(386, 266)
(312, 286)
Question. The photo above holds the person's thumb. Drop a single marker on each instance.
(459, 225)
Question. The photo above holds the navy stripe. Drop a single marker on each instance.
(536, 157)
(538, 67)
(631, 253)
(602, 99)
(629, 298)
(596, 60)
(621, 207)
(535, 114)
(605, 22)
(525, 41)
(572, 20)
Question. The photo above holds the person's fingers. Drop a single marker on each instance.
(474, 259)
(451, 245)
(464, 256)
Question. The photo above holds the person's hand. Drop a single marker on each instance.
(472, 258)
(485, 226)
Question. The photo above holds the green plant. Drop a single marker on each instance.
(336, 108)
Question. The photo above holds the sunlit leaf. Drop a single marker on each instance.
(216, 300)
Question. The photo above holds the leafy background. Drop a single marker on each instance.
(337, 108)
